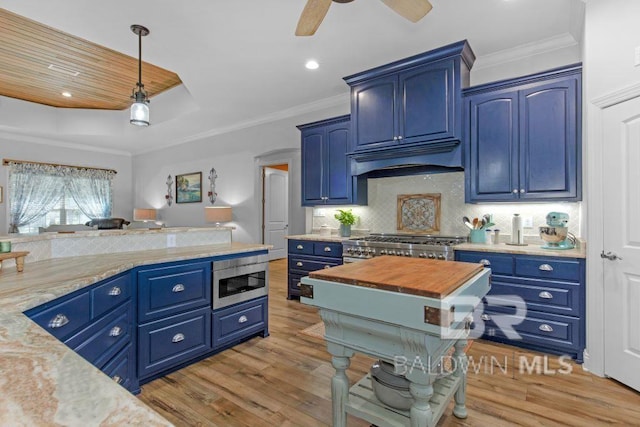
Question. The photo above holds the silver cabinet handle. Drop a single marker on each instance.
(327, 266)
(298, 284)
(115, 291)
(178, 288)
(545, 328)
(177, 338)
(522, 190)
(395, 138)
(327, 249)
(300, 246)
(485, 317)
(117, 379)
(545, 267)
(545, 295)
(485, 262)
(59, 321)
(242, 319)
(515, 191)
(116, 331)
(299, 264)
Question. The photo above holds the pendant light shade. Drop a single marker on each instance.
(140, 107)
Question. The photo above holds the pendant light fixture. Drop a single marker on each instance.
(140, 107)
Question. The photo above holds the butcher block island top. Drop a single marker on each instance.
(415, 276)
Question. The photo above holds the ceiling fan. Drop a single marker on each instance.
(315, 11)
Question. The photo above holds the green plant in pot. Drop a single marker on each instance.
(346, 219)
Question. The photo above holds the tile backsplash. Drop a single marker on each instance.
(380, 215)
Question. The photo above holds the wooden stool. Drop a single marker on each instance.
(18, 256)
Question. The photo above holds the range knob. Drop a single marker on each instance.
(407, 253)
(422, 255)
(349, 250)
(441, 256)
(432, 256)
(383, 251)
(392, 252)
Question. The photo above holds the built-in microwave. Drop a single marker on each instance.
(240, 279)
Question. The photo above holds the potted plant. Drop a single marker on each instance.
(346, 219)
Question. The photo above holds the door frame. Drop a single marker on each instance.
(593, 151)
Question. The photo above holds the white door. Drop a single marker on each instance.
(276, 211)
(621, 136)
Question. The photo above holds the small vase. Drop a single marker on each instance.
(345, 230)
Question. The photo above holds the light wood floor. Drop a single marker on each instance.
(284, 380)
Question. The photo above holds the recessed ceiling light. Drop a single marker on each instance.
(312, 64)
(66, 94)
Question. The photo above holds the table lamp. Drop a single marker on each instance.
(144, 215)
(218, 214)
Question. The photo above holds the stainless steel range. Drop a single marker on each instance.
(417, 246)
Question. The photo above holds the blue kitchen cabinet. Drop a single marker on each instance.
(98, 323)
(304, 256)
(413, 101)
(326, 170)
(541, 297)
(524, 139)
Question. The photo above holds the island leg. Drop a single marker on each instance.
(19, 264)
(339, 390)
(421, 413)
(460, 410)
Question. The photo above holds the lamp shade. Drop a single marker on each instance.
(144, 214)
(218, 214)
(139, 114)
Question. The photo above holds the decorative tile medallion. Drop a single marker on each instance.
(419, 213)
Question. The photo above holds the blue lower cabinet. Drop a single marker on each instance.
(64, 316)
(172, 341)
(238, 322)
(121, 369)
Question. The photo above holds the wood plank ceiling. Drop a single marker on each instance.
(104, 79)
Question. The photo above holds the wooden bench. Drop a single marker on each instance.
(18, 256)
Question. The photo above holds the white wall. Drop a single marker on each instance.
(611, 35)
(233, 155)
(18, 148)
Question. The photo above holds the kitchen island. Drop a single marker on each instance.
(404, 311)
(42, 381)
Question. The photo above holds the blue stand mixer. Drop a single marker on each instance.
(556, 233)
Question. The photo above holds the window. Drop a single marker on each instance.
(43, 194)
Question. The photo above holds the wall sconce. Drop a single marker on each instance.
(212, 186)
(218, 214)
(169, 195)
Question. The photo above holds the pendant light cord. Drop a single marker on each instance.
(140, 59)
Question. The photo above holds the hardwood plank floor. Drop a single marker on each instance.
(284, 380)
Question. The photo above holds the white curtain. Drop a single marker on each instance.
(91, 189)
(34, 190)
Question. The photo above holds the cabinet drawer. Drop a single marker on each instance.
(119, 369)
(174, 340)
(294, 284)
(328, 249)
(548, 330)
(499, 264)
(170, 290)
(306, 264)
(64, 318)
(545, 296)
(110, 294)
(548, 268)
(239, 321)
(103, 339)
(301, 247)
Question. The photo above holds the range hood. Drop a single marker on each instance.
(445, 156)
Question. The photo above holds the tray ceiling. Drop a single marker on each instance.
(38, 63)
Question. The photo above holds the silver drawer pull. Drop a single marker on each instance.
(485, 262)
(178, 288)
(117, 379)
(298, 284)
(545, 328)
(327, 266)
(115, 291)
(116, 331)
(177, 338)
(243, 319)
(298, 264)
(327, 249)
(300, 247)
(545, 267)
(485, 317)
(59, 321)
(545, 295)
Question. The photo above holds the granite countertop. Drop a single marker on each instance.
(530, 249)
(42, 381)
(318, 237)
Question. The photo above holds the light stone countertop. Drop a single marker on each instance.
(42, 381)
(319, 238)
(530, 249)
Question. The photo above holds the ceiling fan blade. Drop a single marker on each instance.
(312, 15)
(413, 10)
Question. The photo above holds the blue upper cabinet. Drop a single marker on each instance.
(524, 138)
(326, 170)
(410, 102)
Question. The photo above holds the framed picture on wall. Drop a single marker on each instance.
(189, 188)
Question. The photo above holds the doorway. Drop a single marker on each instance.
(275, 208)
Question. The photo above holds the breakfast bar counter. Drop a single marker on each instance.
(42, 381)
